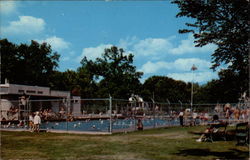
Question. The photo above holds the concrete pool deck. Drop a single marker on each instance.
(122, 130)
(56, 131)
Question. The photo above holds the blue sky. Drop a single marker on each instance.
(148, 29)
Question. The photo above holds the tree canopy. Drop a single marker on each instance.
(164, 89)
(115, 72)
(27, 64)
(224, 23)
(112, 74)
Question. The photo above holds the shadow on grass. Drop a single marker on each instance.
(231, 154)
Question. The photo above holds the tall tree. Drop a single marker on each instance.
(85, 79)
(64, 80)
(27, 64)
(163, 88)
(9, 60)
(224, 23)
(115, 73)
(223, 90)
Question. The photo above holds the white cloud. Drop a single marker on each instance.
(151, 67)
(151, 55)
(128, 42)
(152, 46)
(185, 64)
(93, 52)
(180, 64)
(152, 49)
(8, 7)
(188, 46)
(60, 45)
(26, 25)
(56, 43)
(200, 77)
(158, 48)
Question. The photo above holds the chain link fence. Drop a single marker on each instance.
(113, 115)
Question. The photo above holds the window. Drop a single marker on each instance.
(20, 91)
(29, 91)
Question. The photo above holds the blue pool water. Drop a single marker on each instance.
(103, 125)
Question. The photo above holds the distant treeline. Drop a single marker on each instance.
(112, 74)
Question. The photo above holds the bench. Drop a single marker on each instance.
(242, 133)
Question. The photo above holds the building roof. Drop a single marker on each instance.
(17, 89)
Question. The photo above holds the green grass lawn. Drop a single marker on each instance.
(156, 144)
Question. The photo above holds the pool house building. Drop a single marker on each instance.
(17, 101)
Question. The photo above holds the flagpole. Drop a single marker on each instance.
(192, 85)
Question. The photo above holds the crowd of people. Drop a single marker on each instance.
(187, 117)
(236, 113)
(228, 113)
(12, 112)
(48, 114)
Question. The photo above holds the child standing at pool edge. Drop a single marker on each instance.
(31, 122)
(37, 122)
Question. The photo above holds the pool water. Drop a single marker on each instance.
(103, 125)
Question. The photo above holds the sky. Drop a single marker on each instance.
(74, 29)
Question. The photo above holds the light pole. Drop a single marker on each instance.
(193, 68)
(181, 104)
(169, 109)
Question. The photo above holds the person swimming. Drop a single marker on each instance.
(139, 125)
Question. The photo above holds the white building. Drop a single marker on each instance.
(27, 98)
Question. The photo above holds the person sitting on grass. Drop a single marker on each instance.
(212, 128)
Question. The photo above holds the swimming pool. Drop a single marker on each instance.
(103, 125)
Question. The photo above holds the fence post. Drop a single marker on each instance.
(153, 110)
(110, 108)
(67, 117)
